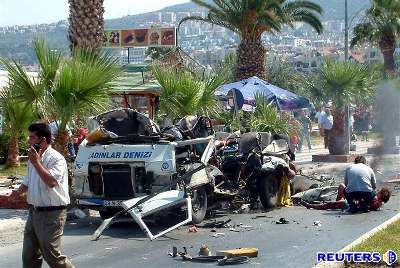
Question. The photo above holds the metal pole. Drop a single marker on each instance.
(347, 126)
(237, 111)
(346, 31)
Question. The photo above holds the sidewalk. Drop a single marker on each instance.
(306, 156)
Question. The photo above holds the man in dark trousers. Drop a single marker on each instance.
(46, 184)
(360, 183)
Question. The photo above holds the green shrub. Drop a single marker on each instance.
(4, 140)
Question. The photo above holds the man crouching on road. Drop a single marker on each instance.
(358, 193)
(360, 183)
(46, 184)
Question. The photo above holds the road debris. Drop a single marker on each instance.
(282, 221)
(261, 216)
(223, 257)
(217, 224)
(204, 251)
(174, 252)
(317, 223)
(232, 261)
(217, 235)
(239, 252)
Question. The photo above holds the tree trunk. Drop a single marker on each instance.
(337, 136)
(86, 24)
(13, 153)
(250, 59)
(388, 46)
(60, 143)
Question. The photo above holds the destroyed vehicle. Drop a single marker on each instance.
(254, 170)
(126, 157)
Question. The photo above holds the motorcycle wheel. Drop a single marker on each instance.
(267, 190)
(199, 205)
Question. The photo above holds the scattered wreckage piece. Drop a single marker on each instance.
(302, 182)
(239, 252)
(316, 194)
(135, 202)
(282, 221)
(222, 258)
(160, 202)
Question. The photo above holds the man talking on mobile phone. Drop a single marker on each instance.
(46, 184)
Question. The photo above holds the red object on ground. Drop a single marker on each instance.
(13, 202)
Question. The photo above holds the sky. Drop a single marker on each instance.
(22, 12)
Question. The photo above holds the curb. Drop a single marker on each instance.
(358, 241)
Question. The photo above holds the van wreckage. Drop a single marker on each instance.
(126, 162)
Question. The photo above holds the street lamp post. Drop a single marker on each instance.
(346, 31)
(346, 58)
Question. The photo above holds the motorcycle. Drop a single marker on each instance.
(252, 168)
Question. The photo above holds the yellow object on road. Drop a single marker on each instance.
(283, 197)
(239, 252)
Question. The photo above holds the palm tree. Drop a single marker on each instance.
(86, 23)
(184, 93)
(342, 83)
(267, 119)
(381, 26)
(250, 19)
(17, 117)
(65, 87)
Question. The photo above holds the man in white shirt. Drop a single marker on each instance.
(326, 125)
(46, 184)
(320, 113)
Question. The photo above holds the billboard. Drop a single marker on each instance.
(153, 37)
(112, 38)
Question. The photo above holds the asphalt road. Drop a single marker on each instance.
(291, 245)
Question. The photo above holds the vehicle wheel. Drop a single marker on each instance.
(199, 205)
(267, 190)
(106, 213)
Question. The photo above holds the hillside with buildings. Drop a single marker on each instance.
(206, 43)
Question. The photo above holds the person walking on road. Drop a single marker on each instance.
(305, 130)
(46, 184)
(326, 125)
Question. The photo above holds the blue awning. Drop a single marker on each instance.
(282, 98)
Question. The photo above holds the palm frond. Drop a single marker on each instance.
(17, 114)
(25, 87)
(184, 93)
(345, 82)
(266, 118)
(363, 32)
(252, 17)
(49, 61)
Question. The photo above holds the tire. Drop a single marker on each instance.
(267, 190)
(107, 213)
(199, 205)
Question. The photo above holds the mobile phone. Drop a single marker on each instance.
(36, 147)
